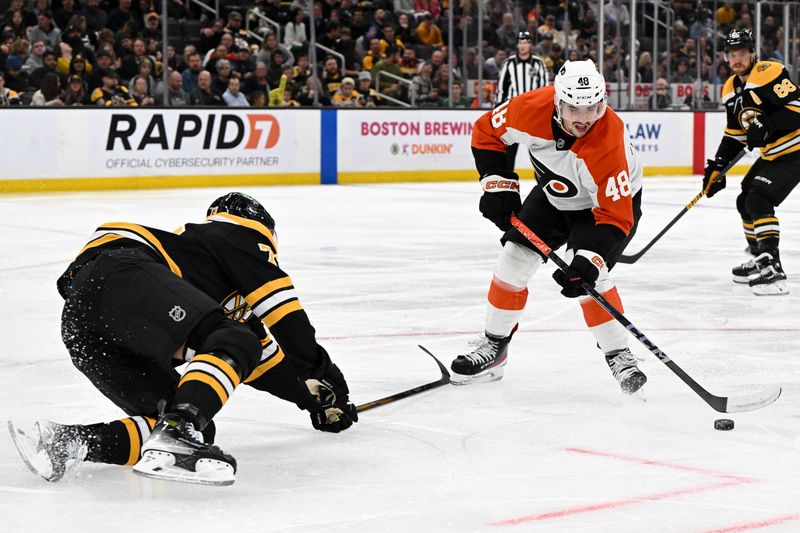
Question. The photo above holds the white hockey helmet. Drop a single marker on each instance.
(578, 84)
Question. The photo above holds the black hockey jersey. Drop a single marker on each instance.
(235, 261)
(768, 90)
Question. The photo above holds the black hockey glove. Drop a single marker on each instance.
(581, 270)
(760, 129)
(713, 181)
(334, 413)
(500, 199)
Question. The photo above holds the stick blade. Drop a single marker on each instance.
(751, 402)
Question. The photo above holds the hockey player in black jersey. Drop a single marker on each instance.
(762, 104)
(140, 301)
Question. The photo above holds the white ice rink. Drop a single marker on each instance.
(554, 446)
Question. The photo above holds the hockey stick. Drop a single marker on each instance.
(630, 259)
(721, 404)
(443, 380)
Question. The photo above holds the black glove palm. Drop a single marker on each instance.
(713, 181)
(500, 199)
(334, 413)
(760, 129)
(581, 270)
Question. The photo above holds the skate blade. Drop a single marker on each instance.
(741, 279)
(487, 376)
(27, 446)
(779, 288)
(156, 464)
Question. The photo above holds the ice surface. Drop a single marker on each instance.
(554, 446)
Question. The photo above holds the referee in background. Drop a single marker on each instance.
(520, 73)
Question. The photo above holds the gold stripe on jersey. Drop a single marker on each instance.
(271, 355)
(246, 222)
(266, 290)
(785, 145)
(739, 135)
(100, 241)
(763, 72)
(275, 316)
(148, 237)
(728, 90)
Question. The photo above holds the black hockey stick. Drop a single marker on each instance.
(722, 404)
(630, 259)
(444, 380)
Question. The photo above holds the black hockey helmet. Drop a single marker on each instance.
(241, 205)
(740, 38)
(524, 36)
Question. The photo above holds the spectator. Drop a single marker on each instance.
(301, 71)
(120, 16)
(405, 29)
(211, 35)
(63, 15)
(358, 24)
(16, 80)
(427, 6)
(295, 32)
(459, 100)
(390, 38)
(48, 65)
(556, 57)
(436, 61)
(223, 74)
(313, 87)
(16, 26)
(234, 28)
(723, 73)
(487, 100)
(271, 43)
(507, 33)
(233, 97)
(331, 77)
(193, 67)
(288, 98)
(176, 96)
(146, 73)
(389, 64)
(79, 66)
(424, 88)
(141, 93)
(96, 18)
(258, 81)
(682, 75)
(726, 14)
(331, 35)
(152, 27)
(373, 55)
(661, 99)
(204, 95)
(75, 94)
(257, 99)
(409, 64)
(345, 95)
(275, 70)
(111, 93)
(35, 58)
(428, 33)
(50, 92)
(491, 69)
(105, 61)
(347, 47)
(366, 93)
(645, 70)
(7, 96)
(45, 31)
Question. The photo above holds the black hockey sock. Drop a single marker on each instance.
(206, 385)
(767, 233)
(118, 442)
(750, 235)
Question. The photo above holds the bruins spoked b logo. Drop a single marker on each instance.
(177, 313)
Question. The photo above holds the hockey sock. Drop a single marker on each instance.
(767, 233)
(206, 385)
(118, 442)
(508, 291)
(609, 334)
(750, 235)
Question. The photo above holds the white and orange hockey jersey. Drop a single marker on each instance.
(599, 171)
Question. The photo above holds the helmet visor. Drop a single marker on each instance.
(573, 113)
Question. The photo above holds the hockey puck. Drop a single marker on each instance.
(723, 424)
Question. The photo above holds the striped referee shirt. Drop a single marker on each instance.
(518, 76)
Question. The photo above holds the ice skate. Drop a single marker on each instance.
(770, 280)
(750, 268)
(175, 452)
(484, 363)
(48, 449)
(623, 366)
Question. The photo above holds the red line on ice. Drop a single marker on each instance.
(757, 525)
(729, 480)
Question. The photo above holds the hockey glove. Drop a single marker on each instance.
(334, 413)
(713, 181)
(500, 199)
(760, 129)
(585, 268)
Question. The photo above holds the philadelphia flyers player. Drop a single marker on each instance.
(140, 301)
(762, 105)
(587, 196)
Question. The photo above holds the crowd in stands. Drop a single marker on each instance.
(373, 53)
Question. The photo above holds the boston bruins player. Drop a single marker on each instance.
(763, 111)
(140, 301)
(587, 196)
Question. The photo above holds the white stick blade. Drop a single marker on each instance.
(751, 402)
